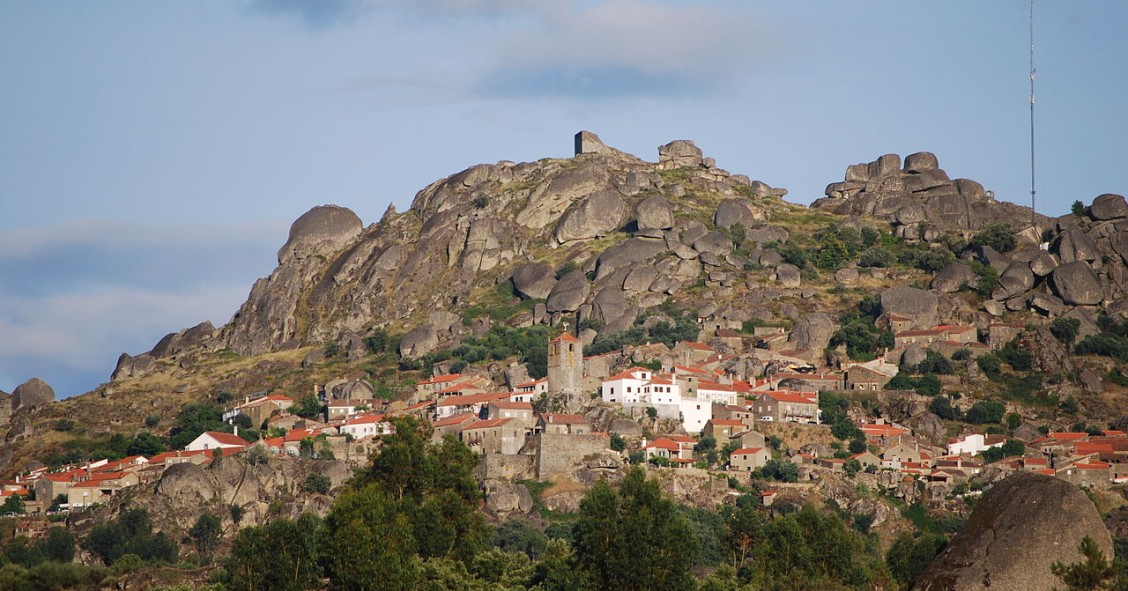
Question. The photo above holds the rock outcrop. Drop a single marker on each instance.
(33, 392)
(1018, 529)
(918, 198)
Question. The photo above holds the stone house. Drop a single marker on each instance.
(260, 409)
(563, 424)
(796, 407)
(747, 459)
(451, 425)
(864, 378)
(722, 430)
(522, 412)
(495, 436)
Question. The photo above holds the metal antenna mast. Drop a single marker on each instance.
(1033, 210)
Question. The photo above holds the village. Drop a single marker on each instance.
(674, 408)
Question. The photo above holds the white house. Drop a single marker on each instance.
(662, 389)
(215, 440)
(626, 387)
(366, 426)
(529, 391)
(974, 443)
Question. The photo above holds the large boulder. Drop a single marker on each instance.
(534, 280)
(32, 393)
(419, 342)
(1018, 529)
(734, 211)
(1108, 207)
(598, 214)
(571, 291)
(1075, 283)
(625, 254)
(654, 212)
(812, 332)
(679, 154)
(321, 230)
(1075, 245)
(952, 278)
(919, 305)
(713, 242)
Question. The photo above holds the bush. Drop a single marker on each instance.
(942, 407)
(990, 365)
(1065, 329)
(935, 363)
(961, 354)
(1078, 209)
(987, 411)
(999, 236)
(876, 256)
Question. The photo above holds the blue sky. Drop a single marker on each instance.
(154, 154)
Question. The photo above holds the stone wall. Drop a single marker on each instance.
(506, 467)
(560, 453)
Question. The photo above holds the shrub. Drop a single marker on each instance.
(942, 407)
(987, 411)
(999, 236)
(1078, 209)
(316, 483)
(990, 365)
(1065, 329)
(961, 354)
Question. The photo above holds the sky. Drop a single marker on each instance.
(153, 154)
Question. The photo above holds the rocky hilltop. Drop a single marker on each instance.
(604, 236)
(633, 232)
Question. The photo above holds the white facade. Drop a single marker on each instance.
(971, 445)
(662, 391)
(719, 393)
(695, 413)
(366, 427)
(626, 387)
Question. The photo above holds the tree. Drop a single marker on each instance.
(744, 530)
(999, 236)
(986, 411)
(1096, 572)
(145, 444)
(1078, 209)
(638, 516)
(280, 556)
(205, 533)
(908, 556)
(781, 470)
(59, 545)
(1065, 329)
(316, 484)
(13, 504)
(942, 407)
(307, 406)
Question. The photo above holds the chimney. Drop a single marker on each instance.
(236, 429)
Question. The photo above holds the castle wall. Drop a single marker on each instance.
(560, 453)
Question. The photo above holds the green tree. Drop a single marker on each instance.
(145, 444)
(280, 556)
(908, 556)
(59, 545)
(316, 483)
(1065, 329)
(743, 533)
(781, 470)
(986, 411)
(638, 516)
(307, 406)
(205, 533)
(999, 236)
(13, 504)
(1095, 573)
(1078, 209)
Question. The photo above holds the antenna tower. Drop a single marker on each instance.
(1033, 210)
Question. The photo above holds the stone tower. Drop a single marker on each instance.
(565, 364)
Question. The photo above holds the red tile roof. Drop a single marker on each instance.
(486, 424)
(747, 450)
(565, 337)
